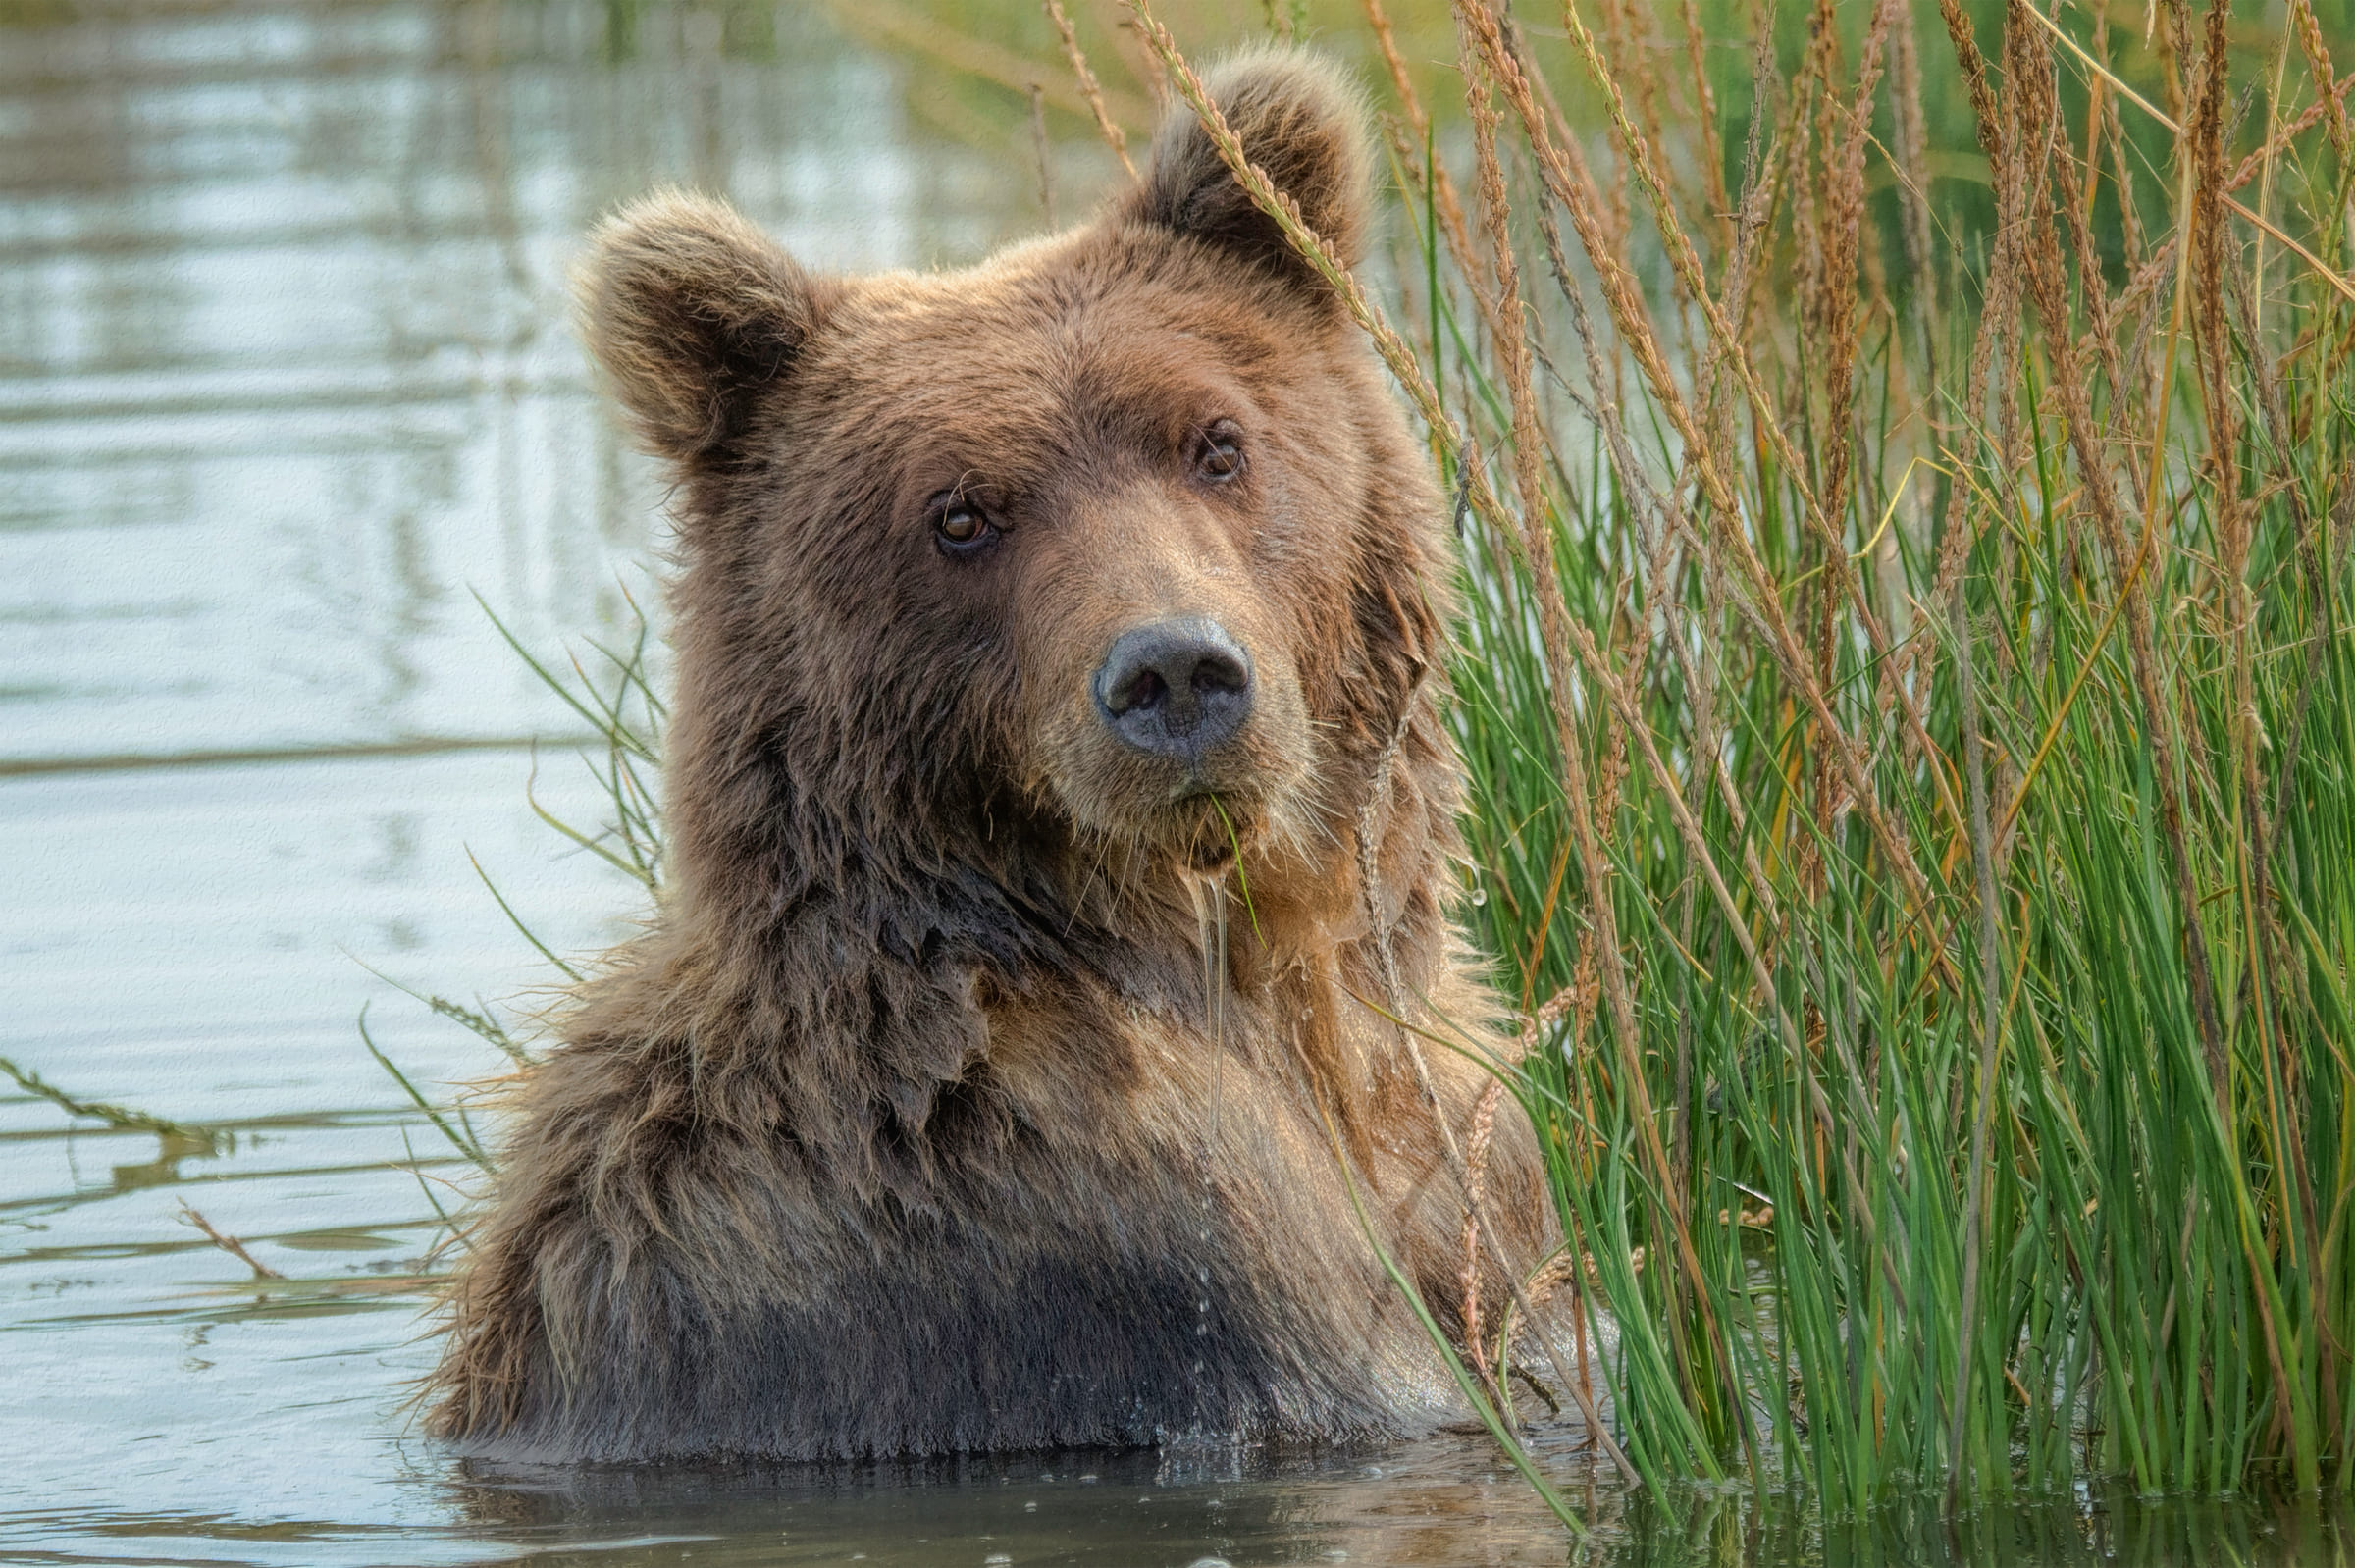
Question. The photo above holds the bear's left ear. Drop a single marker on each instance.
(690, 310)
(1301, 120)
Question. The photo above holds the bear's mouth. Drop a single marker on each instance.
(1208, 829)
(1209, 856)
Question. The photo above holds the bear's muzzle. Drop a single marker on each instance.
(1176, 689)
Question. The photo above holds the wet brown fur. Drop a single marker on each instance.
(906, 1129)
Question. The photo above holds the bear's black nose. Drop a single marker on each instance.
(1174, 689)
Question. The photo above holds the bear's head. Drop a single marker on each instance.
(1012, 593)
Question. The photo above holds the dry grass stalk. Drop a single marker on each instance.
(1475, 1162)
(1044, 152)
(1705, 108)
(1448, 204)
(2002, 303)
(1106, 126)
(1984, 1087)
(227, 1243)
(1841, 216)
(1912, 146)
(2309, 30)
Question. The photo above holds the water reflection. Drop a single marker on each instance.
(286, 365)
(172, 1152)
(1436, 1503)
(2091, 1529)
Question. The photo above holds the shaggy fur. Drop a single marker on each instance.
(914, 1123)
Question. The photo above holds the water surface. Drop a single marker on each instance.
(284, 383)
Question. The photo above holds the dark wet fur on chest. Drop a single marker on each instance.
(940, 1330)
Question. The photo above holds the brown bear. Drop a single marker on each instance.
(1024, 615)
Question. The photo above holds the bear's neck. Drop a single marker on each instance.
(849, 951)
(788, 905)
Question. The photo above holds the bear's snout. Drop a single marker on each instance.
(1176, 689)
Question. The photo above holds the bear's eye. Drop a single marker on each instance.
(959, 526)
(1218, 451)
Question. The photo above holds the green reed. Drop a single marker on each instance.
(612, 691)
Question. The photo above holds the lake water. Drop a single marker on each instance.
(284, 381)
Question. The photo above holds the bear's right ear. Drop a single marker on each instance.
(690, 310)
(1302, 120)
